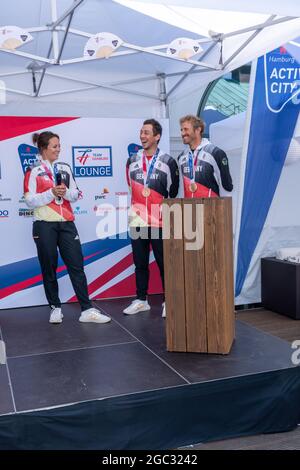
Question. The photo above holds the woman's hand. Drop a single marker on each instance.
(59, 190)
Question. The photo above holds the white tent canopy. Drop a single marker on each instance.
(53, 62)
(240, 34)
(289, 7)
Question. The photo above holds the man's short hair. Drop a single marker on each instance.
(194, 120)
(157, 129)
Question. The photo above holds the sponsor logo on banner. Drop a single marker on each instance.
(28, 155)
(92, 161)
(122, 202)
(104, 209)
(133, 149)
(282, 79)
(23, 212)
(4, 214)
(102, 195)
(78, 211)
(121, 193)
(4, 199)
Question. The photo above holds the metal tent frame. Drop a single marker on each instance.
(41, 67)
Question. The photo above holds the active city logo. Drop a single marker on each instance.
(28, 155)
(282, 79)
(133, 149)
(92, 161)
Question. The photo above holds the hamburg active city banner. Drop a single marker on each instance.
(273, 116)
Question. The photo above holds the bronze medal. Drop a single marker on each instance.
(146, 192)
(193, 187)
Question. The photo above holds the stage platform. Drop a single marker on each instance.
(114, 386)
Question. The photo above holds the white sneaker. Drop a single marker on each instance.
(56, 316)
(93, 315)
(137, 306)
(164, 313)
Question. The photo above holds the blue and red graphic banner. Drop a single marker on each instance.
(99, 163)
(274, 115)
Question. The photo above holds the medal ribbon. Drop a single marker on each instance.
(150, 170)
(192, 164)
(47, 171)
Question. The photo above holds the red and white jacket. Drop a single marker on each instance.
(163, 183)
(38, 181)
(211, 171)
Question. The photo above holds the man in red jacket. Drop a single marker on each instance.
(203, 167)
(152, 176)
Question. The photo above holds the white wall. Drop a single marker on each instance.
(95, 102)
(186, 103)
(100, 102)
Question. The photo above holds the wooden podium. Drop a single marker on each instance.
(199, 276)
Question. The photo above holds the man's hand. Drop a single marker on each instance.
(59, 190)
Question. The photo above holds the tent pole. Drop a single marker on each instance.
(268, 23)
(90, 82)
(101, 85)
(162, 95)
(54, 42)
(65, 37)
(245, 43)
(65, 14)
(27, 56)
(36, 93)
(54, 33)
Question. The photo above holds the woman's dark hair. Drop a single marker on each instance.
(42, 139)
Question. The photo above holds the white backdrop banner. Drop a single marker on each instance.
(97, 150)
